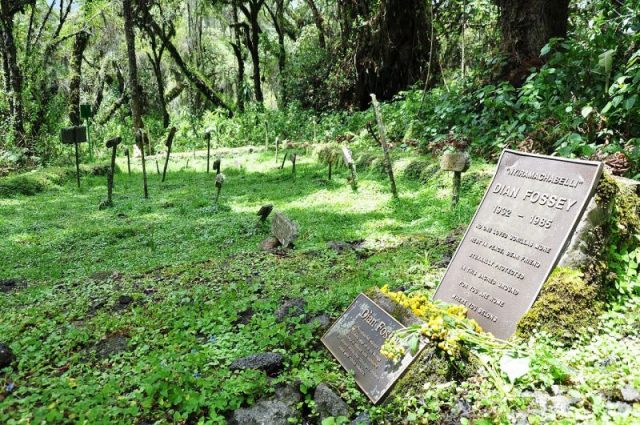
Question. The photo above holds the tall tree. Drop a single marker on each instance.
(81, 41)
(527, 26)
(238, 51)
(134, 87)
(13, 75)
(391, 53)
(251, 11)
(319, 21)
(277, 16)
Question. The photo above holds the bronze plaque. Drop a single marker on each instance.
(516, 237)
(355, 340)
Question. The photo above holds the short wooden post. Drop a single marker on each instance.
(385, 147)
(74, 136)
(348, 160)
(283, 160)
(294, 156)
(126, 152)
(113, 144)
(458, 162)
(140, 139)
(168, 144)
(207, 137)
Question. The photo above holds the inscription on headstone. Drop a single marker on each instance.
(520, 229)
(355, 340)
(283, 229)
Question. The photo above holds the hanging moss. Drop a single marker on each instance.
(565, 305)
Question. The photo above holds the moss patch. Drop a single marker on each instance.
(565, 305)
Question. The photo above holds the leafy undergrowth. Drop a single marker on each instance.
(134, 313)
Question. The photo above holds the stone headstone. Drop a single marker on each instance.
(455, 161)
(520, 229)
(355, 340)
(284, 229)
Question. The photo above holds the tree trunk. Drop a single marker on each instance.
(527, 26)
(15, 78)
(251, 13)
(134, 88)
(391, 53)
(319, 21)
(82, 39)
(237, 50)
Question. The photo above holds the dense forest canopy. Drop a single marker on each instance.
(552, 76)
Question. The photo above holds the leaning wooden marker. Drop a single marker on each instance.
(517, 236)
(348, 161)
(73, 136)
(385, 147)
(113, 145)
(168, 144)
(458, 162)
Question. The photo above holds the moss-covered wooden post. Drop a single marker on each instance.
(294, 156)
(458, 162)
(113, 145)
(219, 182)
(385, 147)
(168, 144)
(348, 161)
(207, 137)
(140, 140)
(126, 152)
(277, 147)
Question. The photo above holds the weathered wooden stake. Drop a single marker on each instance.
(77, 164)
(140, 137)
(283, 160)
(385, 147)
(458, 162)
(219, 182)
(157, 167)
(294, 156)
(348, 160)
(330, 167)
(457, 177)
(266, 135)
(113, 144)
(126, 152)
(168, 144)
(207, 137)
(277, 146)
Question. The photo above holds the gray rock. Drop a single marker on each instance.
(630, 394)
(322, 322)
(111, 345)
(362, 419)
(291, 308)
(619, 407)
(562, 403)
(6, 356)
(125, 300)
(271, 363)
(329, 403)
(8, 285)
(269, 244)
(275, 410)
(556, 390)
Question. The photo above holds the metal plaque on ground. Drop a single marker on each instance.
(516, 237)
(355, 340)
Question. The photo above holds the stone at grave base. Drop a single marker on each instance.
(570, 298)
(362, 419)
(6, 356)
(322, 323)
(270, 244)
(291, 308)
(329, 403)
(271, 363)
(275, 410)
(112, 345)
(630, 394)
(455, 161)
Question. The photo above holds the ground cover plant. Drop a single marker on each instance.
(137, 314)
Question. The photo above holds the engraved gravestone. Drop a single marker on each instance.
(514, 241)
(355, 340)
(284, 229)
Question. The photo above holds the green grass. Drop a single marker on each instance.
(204, 294)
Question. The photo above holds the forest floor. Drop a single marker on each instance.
(134, 313)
